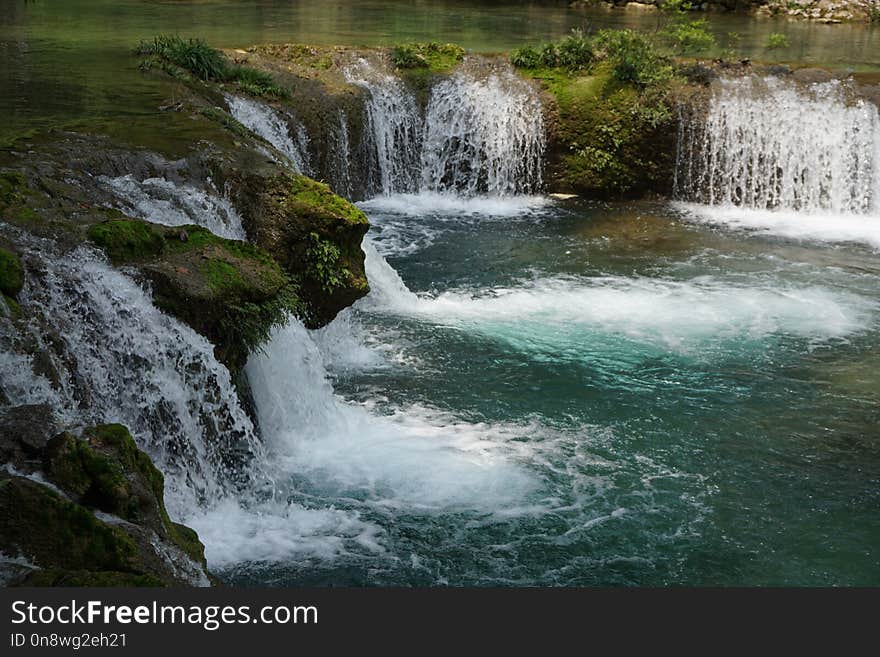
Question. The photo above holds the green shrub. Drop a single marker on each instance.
(433, 55)
(192, 54)
(549, 55)
(526, 57)
(575, 51)
(633, 57)
(689, 37)
(776, 41)
(256, 83)
(407, 56)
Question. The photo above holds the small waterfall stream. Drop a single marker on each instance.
(106, 354)
(274, 127)
(482, 132)
(768, 144)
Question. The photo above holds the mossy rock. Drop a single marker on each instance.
(105, 470)
(83, 578)
(231, 292)
(53, 532)
(11, 273)
(608, 139)
(54, 520)
(314, 234)
(12, 184)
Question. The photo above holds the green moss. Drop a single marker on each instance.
(77, 540)
(227, 121)
(434, 56)
(11, 273)
(317, 200)
(232, 292)
(613, 134)
(222, 277)
(81, 578)
(11, 184)
(12, 307)
(124, 240)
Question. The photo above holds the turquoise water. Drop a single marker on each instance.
(647, 402)
(563, 393)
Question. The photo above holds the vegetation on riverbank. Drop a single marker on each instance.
(179, 57)
(613, 92)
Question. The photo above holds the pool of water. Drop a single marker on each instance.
(587, 394)
(64, 60)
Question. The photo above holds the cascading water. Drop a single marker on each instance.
(274, 128)
(164, 202)
(108, 355)
(483, 135)
(768, 144)
(341, 154)
(394, 125)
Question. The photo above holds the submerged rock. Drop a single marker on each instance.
(89, 510)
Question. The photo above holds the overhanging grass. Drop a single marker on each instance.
(174, 54)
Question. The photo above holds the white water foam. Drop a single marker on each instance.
(408, 459)
(483, 134)
(455, 206)
(768, 143)
(819, 227)
(124, 361)
(163, 202)
(681, 316)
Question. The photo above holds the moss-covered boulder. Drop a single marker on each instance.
(311, 232)
(47, 529)
(231, 292)
(607, 138)
(11, 273)
(89, 511)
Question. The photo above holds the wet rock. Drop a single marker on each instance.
(311, 232)
(811, 75)
(231, 292)
(24, 431)
(778, 70)
(94, 515)
(699, 73)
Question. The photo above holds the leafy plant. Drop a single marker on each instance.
(434, 55)
(324, 258)
(526, 57)
(777, 41)
(575, 51)
(633, 57)
(689, 37)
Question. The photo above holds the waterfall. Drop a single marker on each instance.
(164, 202)
(483, 135)
(394, 125)
(769, 144)
(105, 354)
(274, 127)
(341, 157)
(480, 133)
